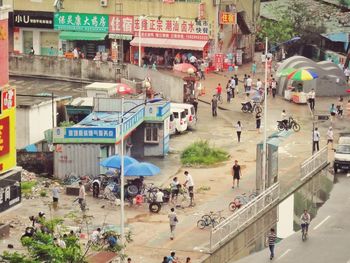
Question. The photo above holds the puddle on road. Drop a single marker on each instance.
(310, 196)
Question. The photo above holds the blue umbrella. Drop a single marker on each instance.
(114, 161)
(141, 169)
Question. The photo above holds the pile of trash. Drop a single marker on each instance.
(28, 176)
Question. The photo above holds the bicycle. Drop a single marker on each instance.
(304, 233)
(212, 219)
(244, 199)
(183, 199)
(149, 192)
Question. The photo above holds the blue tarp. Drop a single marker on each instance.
(31, 148)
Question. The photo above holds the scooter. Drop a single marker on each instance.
(291, 124)
(248, 107)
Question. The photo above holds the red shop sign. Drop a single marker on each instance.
(219, 61)
(4, 136)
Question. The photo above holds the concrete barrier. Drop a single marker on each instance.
(170, 86)
(65, 69)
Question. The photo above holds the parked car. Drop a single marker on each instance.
(172, 124)
(342, 153)
(190, 113)
(180, 119)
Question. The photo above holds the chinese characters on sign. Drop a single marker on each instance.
(172, 28)
(219, 61)
(10, 191)
(4, 136)
(96, 133)
(227, 18)
(33, 19)
(81, 22)
(201, 11)
(8, 99)
(121, 24)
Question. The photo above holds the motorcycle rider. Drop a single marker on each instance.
(305, 219)
(284, 119)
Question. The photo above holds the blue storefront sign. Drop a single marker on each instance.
(96, 133)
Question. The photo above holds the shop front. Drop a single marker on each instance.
(34, 30)
(86, 32)
(120, 33)
(164, 41)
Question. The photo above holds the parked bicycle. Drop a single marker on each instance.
(244, 198)
(212, 219)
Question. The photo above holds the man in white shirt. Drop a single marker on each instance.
(96, 236)
(190, 184)
(263, 58)
(284, 119)
(330, 136)
(347, 73)
(159, 196)
(249, 83)
(315, 140)
(81, 196)
(259, 84)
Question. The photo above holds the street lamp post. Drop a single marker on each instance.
(122, 194)
(265, 123)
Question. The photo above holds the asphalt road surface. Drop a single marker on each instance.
(329, 234)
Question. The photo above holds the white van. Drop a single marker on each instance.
(190, 113)
(179, 119)
(172, 128)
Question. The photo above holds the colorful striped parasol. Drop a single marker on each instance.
(285, 72)
(303, 74)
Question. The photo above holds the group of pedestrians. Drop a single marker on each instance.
(174, 259)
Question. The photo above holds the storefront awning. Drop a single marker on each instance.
(169, 43)
(70, 35)
(120, 36)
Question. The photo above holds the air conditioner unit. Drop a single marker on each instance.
(104, 3)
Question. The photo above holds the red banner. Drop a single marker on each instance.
(201, 11)
(8, 99)
(219, 61)
(4, 136)
(4, 58)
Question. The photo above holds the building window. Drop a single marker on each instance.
(151, 134)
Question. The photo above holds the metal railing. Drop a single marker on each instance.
(243, 217)
(314, 163)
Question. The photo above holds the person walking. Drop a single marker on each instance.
(315, 140)
(229, 91)
(253, 68)
(340, 107)
(273, 87)
(239, 130)
(190, 184)
(237, 174)
(258, 121)
(214, 106)
(330, 136)
(236, 82)
(249, 84)
(219, 92)
(312, 96)
(332, 111)
(174, 188)
(271, 238)
(172, 222)
(245, 82)
(232, 87)
(55, 195)
(81, 197)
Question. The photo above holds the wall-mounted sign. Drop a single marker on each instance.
(201, 11)
(34, 19)
(227, 18)
(4, 136)
(121, 24)
(219, 61)
(81, 22)
(8, 99)
(10, 191)
(172, 28)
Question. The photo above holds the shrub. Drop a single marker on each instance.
(26, 187)
(200, 153)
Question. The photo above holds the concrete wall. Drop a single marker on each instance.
(32, 130)
(249, 240)
(170, 86)
(66, 69)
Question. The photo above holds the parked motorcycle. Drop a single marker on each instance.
(248, 107)
(291, 124)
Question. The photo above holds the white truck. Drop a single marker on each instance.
(342, 153)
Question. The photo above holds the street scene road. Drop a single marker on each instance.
(174, 131)
(328, 234)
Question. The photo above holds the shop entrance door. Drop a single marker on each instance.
(27, 41)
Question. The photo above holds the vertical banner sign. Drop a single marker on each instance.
(201, 11)
(7, 130)
(219, 61)
(4, 57)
